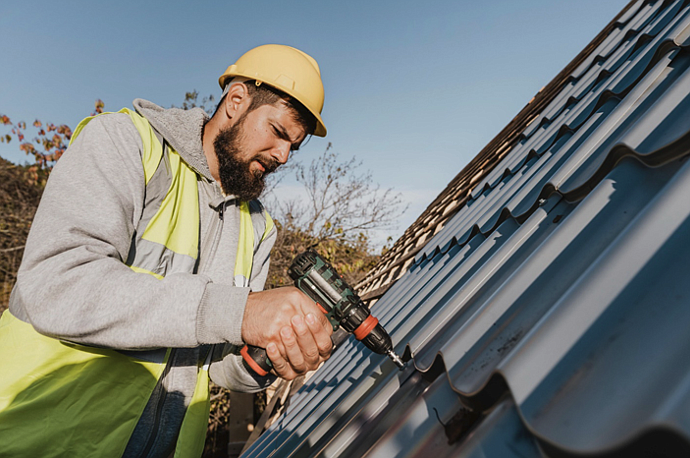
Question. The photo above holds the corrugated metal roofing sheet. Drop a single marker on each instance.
(586, 129)
(397, 260)
(550, 315)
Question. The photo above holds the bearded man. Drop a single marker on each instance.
(144, 268)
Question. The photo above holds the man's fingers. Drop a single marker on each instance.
(323, 320)
(297, 329)
(280, 365)
(321, 336)
(266, 312)
(309, 307)
(292, 350)
(307, 343)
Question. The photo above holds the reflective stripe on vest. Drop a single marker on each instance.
(245, 251)
(82, 379)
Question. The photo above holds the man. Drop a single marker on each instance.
(144, 269)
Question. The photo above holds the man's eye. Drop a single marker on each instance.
(276, 131)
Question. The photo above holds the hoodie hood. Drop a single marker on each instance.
(182, 129)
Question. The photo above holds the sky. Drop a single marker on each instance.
(414, 90)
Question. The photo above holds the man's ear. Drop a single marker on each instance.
(237, 100)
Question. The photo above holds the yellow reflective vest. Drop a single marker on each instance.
(103, 392)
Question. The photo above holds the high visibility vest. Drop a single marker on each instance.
(63, 399)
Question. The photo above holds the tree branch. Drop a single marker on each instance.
(7, 250)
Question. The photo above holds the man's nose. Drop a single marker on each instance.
(281, 152)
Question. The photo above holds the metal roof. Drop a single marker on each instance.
(550, 315)
(398, 259)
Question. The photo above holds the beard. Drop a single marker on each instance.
(235, 175)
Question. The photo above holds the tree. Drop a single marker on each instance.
(52, 138)
(342, 203)
(191, 100)
(339, 207)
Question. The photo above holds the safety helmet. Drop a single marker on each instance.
(287, 69)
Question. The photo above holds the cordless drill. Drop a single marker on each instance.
(341, 305)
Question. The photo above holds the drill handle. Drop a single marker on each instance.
(256, 359)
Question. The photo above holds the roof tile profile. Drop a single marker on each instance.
(548, 314)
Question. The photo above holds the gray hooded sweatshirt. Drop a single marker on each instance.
(73, 283)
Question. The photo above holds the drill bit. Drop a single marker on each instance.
(396, 359)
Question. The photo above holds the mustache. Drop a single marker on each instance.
(269, 164)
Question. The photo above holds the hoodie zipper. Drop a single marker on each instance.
(160, 402)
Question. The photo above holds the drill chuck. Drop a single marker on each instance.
(380, 342)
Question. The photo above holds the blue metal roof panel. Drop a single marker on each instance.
(549, 316)
(591, 111)
(612, 75)
(637, 14)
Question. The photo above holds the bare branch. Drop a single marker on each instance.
(342, 203)
(7, 250)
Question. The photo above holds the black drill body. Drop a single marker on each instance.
(318, 279)
(343, 307)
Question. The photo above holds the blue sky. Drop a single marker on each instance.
(413, 89)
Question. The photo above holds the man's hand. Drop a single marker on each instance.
(292, 329)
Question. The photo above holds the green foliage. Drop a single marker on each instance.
(351, 258)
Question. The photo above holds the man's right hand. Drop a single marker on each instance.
(293, 330)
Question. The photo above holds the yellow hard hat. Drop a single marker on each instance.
(287, 69)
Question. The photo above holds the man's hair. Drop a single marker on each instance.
(263, 94)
